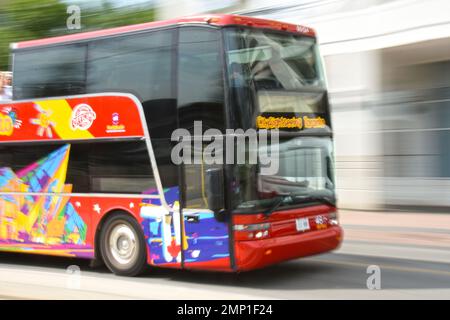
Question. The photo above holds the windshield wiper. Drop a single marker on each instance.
(314, 198)
(296, 198)
(276, 205)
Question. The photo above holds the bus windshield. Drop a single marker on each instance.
(305, 175)
(276, 81)
(273, 74)
(276, 60)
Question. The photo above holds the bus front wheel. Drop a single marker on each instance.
(123, 246)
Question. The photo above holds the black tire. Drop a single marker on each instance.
(127, 227)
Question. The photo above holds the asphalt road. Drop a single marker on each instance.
(406, 273)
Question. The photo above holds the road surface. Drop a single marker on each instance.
(409, 270)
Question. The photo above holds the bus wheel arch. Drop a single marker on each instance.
(116, 226)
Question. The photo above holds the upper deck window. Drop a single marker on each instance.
(138, 64)
(200, 78)
(49, 72)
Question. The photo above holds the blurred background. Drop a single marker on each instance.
(388, 69)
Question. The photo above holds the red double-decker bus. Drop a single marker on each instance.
(86, 145)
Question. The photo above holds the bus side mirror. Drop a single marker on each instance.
(215, 190)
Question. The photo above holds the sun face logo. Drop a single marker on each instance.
(6, 125)
(9, 121)
(12, 113)
(82, 117)
(44, 122)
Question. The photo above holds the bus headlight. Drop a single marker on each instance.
(252, 231)
(333, 218)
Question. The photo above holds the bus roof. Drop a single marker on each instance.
(211, 19)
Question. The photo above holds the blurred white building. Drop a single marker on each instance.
(388, 68)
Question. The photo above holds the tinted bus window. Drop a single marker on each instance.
(5, 157)
(139, 64)
(200, 98)
(200, 78)
(49, 72)
(120, 168)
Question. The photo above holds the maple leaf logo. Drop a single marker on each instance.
(174, 249)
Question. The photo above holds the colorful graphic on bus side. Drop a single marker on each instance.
(36, 217)
(77, 118)
(198, 234)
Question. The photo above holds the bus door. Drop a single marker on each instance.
(206, 237)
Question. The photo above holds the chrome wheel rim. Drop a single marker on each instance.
(123, 244)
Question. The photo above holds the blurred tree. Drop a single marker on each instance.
(28, 19)
(108, 15)
(33, 19)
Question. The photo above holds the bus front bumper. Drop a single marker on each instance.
(261, 253)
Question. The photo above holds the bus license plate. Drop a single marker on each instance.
(302, 224)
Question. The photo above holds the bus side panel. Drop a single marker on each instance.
(162, 229)
(206, 244)
(203, 243)
(37, 221)
(33, 217)
(70, 118)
